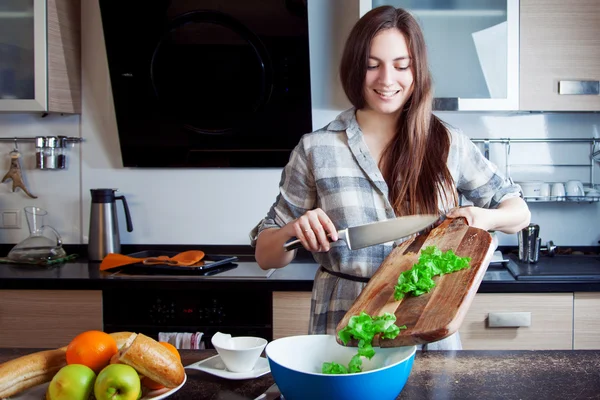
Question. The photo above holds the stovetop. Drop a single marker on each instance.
(557, 268)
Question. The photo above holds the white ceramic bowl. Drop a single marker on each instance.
(239, 354)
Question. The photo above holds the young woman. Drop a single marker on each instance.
(385, 157)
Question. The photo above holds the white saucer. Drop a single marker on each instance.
(215, 366)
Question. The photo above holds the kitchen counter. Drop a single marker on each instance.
(297, 276)
(435, 375)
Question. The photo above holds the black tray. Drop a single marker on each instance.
(209, 265)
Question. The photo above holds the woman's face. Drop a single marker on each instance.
(389, 80)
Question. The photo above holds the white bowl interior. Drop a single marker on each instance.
(308, 353)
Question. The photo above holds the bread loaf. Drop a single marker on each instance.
(153, 360)
(30, 370)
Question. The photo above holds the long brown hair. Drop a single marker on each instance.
(414, 163)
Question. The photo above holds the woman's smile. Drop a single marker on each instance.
(386, 93)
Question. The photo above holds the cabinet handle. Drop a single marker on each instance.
(509, 319)
(579, 87)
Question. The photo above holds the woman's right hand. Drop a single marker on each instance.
(312, 229)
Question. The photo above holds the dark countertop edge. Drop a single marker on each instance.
(242, 252)
(246, 252)
(269, 285)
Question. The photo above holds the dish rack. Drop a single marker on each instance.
(594, 157)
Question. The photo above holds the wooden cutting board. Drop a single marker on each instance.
(435, 315)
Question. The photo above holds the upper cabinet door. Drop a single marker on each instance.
(560, 55)
(40, 67)
(473, 50)
(23, 55)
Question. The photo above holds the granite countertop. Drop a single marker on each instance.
(298, 276)
(435, 375)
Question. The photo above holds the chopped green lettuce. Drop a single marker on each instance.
(432, 261)
(416, 281)
(363, 327)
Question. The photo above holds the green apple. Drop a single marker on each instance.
(71, 382)
(117, 382)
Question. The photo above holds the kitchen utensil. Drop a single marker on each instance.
(558, 191)
(357, 237)
(574, 189)
(296, 363)
(545, 190)
(186, 258)
(240, 353)
(104, 235)
(14, 173)
(531, 189)
(529, 243)
(215, 366)
(435, 315)
(37, 247)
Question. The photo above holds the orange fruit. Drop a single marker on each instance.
(93, 349)
(172, 348)
(149, 383)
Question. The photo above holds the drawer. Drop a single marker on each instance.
(291, 313)
(549, 316)
(586, 321)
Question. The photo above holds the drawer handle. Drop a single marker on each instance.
(579, 87)
(509, 319)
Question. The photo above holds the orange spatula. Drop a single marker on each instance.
(184, 259)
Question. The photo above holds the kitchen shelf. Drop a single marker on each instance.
(562, 199)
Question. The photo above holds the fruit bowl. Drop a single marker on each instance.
(296, 363)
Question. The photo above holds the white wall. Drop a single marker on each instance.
(219, 206)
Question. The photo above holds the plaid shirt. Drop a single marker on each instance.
(332, 169)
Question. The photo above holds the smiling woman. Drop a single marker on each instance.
(387, 156)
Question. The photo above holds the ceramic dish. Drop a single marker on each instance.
(215, 366)
(39, 392)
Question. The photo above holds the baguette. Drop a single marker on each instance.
(153, 360)
(30, 370)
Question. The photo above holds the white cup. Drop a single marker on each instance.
(558, 191)
(574, 188)
(545, 190)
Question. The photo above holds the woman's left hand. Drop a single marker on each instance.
(510, 216)
(476, 217)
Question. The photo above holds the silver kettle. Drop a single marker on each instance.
(104, 226)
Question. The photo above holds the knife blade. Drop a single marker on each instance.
(358, 237)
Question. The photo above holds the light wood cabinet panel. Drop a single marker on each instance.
(64, 56)
(586, 321)
(551, 322)
(291, 313)
(47, 318)
(559, 40)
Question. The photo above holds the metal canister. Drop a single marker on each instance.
(529, 244)
(40, 144)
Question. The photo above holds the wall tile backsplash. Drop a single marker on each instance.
(219, 206)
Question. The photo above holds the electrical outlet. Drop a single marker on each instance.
(10, 219)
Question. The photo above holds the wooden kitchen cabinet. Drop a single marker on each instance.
(40, 56)
(586, 321)
(291, 313)
(559, 40)
(47, 318)
(551, 322)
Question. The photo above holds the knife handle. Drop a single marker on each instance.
(296, 244)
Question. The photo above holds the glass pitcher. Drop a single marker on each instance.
(38, 247)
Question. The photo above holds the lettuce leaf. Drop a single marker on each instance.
(363, 327)
(432, 262)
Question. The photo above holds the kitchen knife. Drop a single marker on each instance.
(357, 237)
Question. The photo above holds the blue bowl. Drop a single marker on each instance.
(296, 363)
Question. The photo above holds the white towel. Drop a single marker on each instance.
(182, 340)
